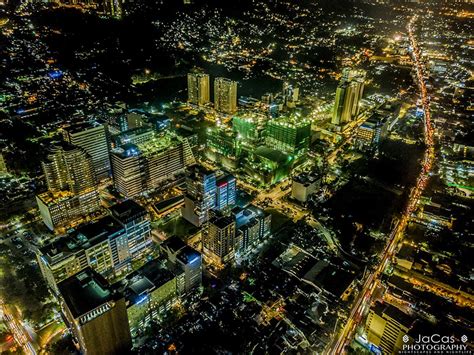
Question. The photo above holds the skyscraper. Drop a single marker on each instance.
(225, 95)
(200, 195)
(290, 94)
(68, 168)
(218, 240)
(72, 187)
(226, 192)
(348, 96)
(92, 137)
(184, 260)
(95, 313)
(198, 88)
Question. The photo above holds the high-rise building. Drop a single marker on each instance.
(348, 96)
(145, 166)
(218, 241)
(92, 137)
(249, 129)
(198, 88)
(291, 135)
(386, 326)
(72, 187)
(95, 313)
(225, 95)
(200, 195)
(290, 94)
(108, 245)
(225, 192)
(59, 208)
(113, 8)
(68, 168)
(253, 225)
(221, 142)
(185, 261)
(135, 222)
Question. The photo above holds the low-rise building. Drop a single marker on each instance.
(149, 291)
(304, 185)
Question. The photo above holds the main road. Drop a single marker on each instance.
(337, 346)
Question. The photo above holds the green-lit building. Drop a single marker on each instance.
(268, 166)
(291, 135)
(221, 147)
(249, 129)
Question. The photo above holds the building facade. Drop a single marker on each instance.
(138, 168)
(64, 207)
(108, 245)
(198, 88)
(218, 240)
(348, 95)
(200, 195)
(225, 95)
(95, 313)
(92, 137)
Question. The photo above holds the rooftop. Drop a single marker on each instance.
(127, 210)
(83, 237)
(221, 222)
(143, 281)
(82, 126)
(85, 291)
(393, 312)
(225, 179)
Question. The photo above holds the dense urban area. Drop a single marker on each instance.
(236, 177)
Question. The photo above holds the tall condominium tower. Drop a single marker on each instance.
(72, 187)
(225, 95)
(92, 137)
(348, 96)
(387, 327)
(198, 88)
(68, 168)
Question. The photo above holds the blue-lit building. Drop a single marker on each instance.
(185, 262)
(200, 195)
(253, 225)
(226, 192)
